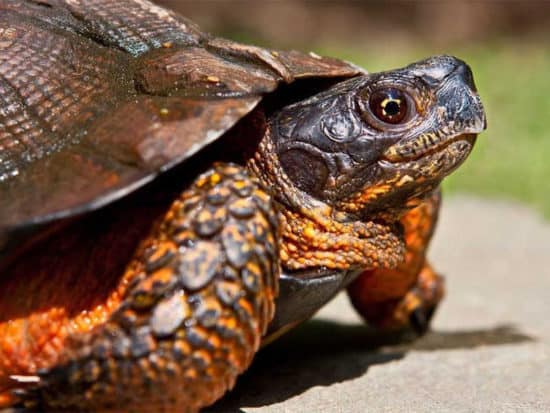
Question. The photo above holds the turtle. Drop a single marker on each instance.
(170, 201)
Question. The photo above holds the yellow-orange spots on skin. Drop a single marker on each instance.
(360, 199)
(204, 215)
(309, 232)
(254, 268)
(214, 341)
(261, 195)
(211, 302)
(172, 214)
(239, 184)
(404, 180)
(204, 355)
(374, 191)
(318, 240)
(230, 323)
(200, 183)
(213, 79)
(220, 214)
(159, 362)
(245, 304)
(230, 169)
(201, 332)
(162, 275)
(284, 255)
(190, 374)
(291, 247)
(164, 111)
(183, 346)
(143, 300)
(215, 178)
(167, 45)
(146, 370)
(161, 249)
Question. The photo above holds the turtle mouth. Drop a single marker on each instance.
(410, 171)
(425, 145)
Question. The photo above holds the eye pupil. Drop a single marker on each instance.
(392, 107)
(389, 105)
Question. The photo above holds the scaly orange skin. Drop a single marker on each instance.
(387, 297)
(36, 342)
(187, 314)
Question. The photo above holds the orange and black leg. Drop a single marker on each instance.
(406, 296)
(195, 302)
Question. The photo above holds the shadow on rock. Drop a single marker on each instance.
(452, 340)
(322, 352)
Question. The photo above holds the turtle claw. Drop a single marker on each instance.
(26, 394)
(25, 379)
(419, 319)
(410, 313)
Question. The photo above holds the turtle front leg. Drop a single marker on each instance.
(196, 300)
(406, 296)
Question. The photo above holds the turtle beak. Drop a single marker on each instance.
(456, 90)
(458, 95)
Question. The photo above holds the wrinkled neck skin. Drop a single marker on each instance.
(317, 235)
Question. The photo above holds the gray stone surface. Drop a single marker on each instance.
(489, 350)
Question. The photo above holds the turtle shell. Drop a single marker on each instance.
(98, 98)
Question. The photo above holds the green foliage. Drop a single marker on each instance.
(512, 158)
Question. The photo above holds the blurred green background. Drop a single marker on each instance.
(507, 44)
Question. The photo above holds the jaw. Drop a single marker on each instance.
(433, 164)
(405, 180)
(446, 152)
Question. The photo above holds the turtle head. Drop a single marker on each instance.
(374, 142)
(371, 147)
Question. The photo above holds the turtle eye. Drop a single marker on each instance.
(390, 105)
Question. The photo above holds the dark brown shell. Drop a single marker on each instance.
(99, 97)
